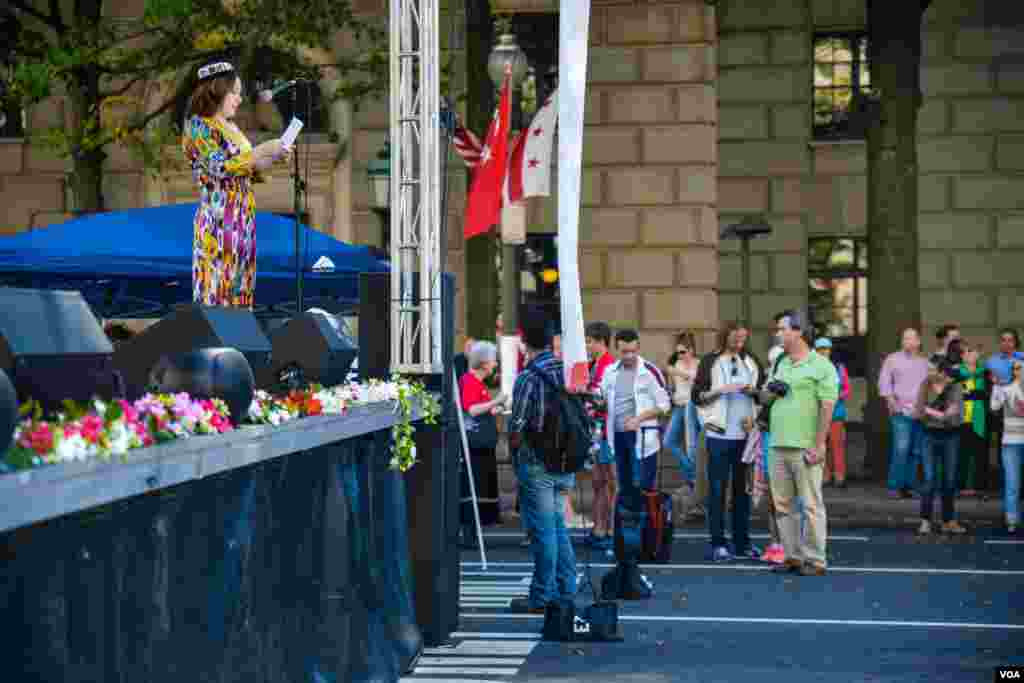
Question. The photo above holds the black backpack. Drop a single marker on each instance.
(566, 437)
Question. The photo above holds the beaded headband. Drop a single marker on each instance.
(211, 70)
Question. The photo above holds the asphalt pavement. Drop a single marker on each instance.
(893, 607)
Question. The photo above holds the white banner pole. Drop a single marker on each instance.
(574, 25)
(457, 395)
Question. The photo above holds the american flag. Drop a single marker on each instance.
(467, 145)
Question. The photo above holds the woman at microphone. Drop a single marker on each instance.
(224, 166)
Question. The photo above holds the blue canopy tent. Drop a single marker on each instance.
(138, 263)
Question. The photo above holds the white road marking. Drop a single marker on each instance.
(761, 567)
(409, 679)
(1004, 542)
(802, 622)
(488, 634)
(475, 670)
(527, 574)
(484, 647)
(470, 661)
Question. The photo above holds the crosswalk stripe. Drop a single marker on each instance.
(409, 679)
(490, 635)
(473, 670)
(470, 661)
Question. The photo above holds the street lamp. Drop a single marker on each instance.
(507, 56)
(378, 172)
(749, 227)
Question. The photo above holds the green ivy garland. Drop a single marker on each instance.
(410, 396)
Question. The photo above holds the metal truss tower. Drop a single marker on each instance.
(415, 187)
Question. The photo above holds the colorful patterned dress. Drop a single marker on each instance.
(224, 231)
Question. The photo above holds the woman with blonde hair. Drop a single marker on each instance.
(939, 407)
(224, 167)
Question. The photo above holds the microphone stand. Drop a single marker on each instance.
(297, 190)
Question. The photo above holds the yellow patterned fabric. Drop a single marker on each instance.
(224, 230)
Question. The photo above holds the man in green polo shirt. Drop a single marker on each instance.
(800, 422)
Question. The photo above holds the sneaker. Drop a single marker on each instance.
(810, 569)
(523, 606)
(751, 553)
(720, 554)
(841, 484)
(526, 542)
(953, 527)
(774, 554)
(925, 528)
(1011, 528)
(788, 567)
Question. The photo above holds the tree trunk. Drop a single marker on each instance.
(894, 295)
(84, 97)
(481, 283)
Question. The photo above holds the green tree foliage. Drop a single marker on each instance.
(123, 76)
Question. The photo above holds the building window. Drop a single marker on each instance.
(841, 74)
(838, 296)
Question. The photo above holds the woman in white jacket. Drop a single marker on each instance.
(725, 390)
(1009, 398)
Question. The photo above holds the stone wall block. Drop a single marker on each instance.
(640, 185)
(760, 14)
(989, 192)
(678, 64)
(640, 24)
(933, 269)
(743, 194)
(791, 121)
(972, 307)
(24, 196)
(961, 153)
(787, 195)
(1010, 307)
(611, 227)
(641, 268)
(764, 306)
(613, 65)
(591, 269)
(788, 234)
(730, 267)
(988, 268)
(742, 123)
(954, 231)
(988, 115)
(677, 225)
(686, 144)
(1011, 230)
(618, 309)
(696, 103)
(852, 192)
(763, 158)
(789, 272)
(763, 85)
(988, 42)
(608, 145)
(12, 156)
(697, 185)
(743, 49)
(956, 79)
(840, 159)
(932, 117)
(790, 47)
(633, 104)
(932, 192)
(1010, 153)
(678, 308)
(698, 267)
(1010, 77)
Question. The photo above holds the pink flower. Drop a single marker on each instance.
(92, 428)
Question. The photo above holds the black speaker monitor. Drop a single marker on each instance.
(191, 327)
(53, 348)
(315, 343)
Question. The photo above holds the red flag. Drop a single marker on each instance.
(483, 206)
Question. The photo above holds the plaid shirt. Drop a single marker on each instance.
(530, 392)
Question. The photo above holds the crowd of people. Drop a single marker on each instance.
(747, 432)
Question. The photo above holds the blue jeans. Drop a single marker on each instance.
(684, 431)
(907, 443)
(941, 450)
(725, 457)
(554, 562)
(634, 473)
(1012, 456)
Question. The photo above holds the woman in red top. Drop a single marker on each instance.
(479, 410)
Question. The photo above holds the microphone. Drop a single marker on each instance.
(276, 89)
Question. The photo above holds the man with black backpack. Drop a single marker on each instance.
(549, 434)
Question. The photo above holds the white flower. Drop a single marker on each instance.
(100, 407)
(120, 438)
(73, 448)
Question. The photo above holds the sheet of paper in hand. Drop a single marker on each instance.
(291, 133)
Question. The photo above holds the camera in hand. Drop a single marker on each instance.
(777, 387)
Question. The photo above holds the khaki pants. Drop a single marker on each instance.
(792, 478)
